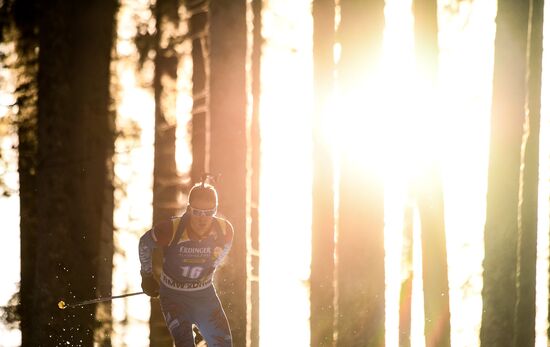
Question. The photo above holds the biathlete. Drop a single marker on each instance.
(194, 245)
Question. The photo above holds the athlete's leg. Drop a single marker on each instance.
(213, 323)
(215, 330)
(182, 332)
(177, 321)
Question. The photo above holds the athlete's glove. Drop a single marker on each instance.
(149, 285)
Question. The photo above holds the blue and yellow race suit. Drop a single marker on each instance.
(187, 294)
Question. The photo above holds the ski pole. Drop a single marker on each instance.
(62, 305)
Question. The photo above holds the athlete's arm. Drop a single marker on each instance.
(159, 236)
(228, 240)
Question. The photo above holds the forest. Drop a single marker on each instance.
(385, 165)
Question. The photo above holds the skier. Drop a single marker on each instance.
(194, 245)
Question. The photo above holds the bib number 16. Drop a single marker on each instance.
(191, 271)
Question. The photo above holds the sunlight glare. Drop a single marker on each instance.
(285, 201)
(9, 202)
(133, 168)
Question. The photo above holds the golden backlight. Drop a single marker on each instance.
(414, 122)
(454, 117)
(285, 200)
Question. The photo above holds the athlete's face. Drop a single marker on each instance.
(202, 213)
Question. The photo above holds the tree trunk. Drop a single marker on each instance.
(104, 315)
(405, 297)
(437, 328)
(360, 244)
(322, 246)
(426, 38)
(526, 305)
(74, 137)
(501, 228)
(197, 10)
(429, 190)
(165, 175)
(228, 152)
(199, 54)
(255, 151)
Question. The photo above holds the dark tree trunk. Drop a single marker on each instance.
(405, 297)
(74, 138)
(165, 175)
(360, 244)
(255, 151)
(198, 33)
(361, 292)
(526, 305)
(27, 201)
(199, 53)
(501, 227)
(426, 38)
(228, 151)
(322, 246)
(437, 328)
(104, 315)
(429, 191)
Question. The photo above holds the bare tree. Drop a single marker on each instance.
(501, 228)
(429, 191)
(322, 248)
(405, 297)
(74, 141)
(228, 150)
(360, 243)
(529, 184)
(198, 33)
(255, 152)
(166, 187)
